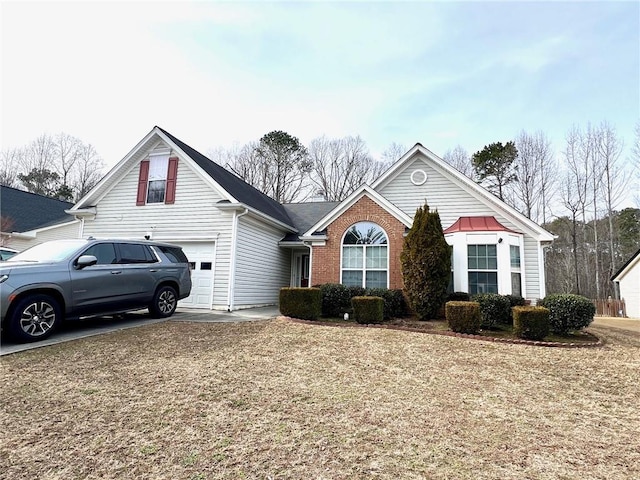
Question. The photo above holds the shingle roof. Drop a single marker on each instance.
(238, 188)
(305, 215)
(30, 211)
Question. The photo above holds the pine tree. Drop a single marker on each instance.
(426, 264)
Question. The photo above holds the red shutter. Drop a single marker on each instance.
(172, 175)
(142, 182)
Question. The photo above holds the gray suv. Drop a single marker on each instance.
(71, 279)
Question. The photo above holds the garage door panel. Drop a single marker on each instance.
(201, 256)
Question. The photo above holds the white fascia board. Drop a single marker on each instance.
(120, 169)
(626, 269)
(255, 213)
(390, 173)
(204, 175)
(482, 193)
(350, 201)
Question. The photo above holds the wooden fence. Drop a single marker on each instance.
(610, 308)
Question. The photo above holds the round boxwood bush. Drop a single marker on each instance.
(568, 312)
(494, 309)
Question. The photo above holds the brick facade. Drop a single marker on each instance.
(326, 259)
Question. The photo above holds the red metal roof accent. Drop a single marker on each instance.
(477, 224)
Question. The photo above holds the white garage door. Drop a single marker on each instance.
(201, 256)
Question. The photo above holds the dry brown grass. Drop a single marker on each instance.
(283, 400)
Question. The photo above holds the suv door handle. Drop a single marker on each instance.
(116, 272)
(153, 270)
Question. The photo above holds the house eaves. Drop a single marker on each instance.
(481, 193)
(624, 269)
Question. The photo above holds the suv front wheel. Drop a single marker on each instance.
(35, 317)
(164, 302)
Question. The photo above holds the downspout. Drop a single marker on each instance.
(232, 260)
(308, 245)
(81, 227)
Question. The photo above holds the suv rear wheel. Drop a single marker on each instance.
(35, 317)
(164, 302)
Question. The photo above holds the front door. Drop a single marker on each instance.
(300, 270)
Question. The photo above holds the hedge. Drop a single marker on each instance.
(568, 312)
(304, 303)
(463, 317)
(368, 309)
(531, 323)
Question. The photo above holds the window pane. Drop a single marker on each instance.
(376, 257)
(482, 257)
(134, 253)
(156, 191)
(376, 279)
(352, 278)
(352, 257)
(483, 282)
(516, 284)
(515, 256)
(158, 167)
(365, 233)
(104, 252)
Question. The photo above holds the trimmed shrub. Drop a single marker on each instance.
(336, 299)
(463, 317)
(304, 303)
(394, 302)
(531, 323)
(458, 297)
(368, 309)
(568, 312)
(494, 309)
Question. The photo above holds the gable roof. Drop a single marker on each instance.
(624, 269)
(30, 211)
(477, 224)
(241, 190)
(304, 215)
(233, 188)
(347, 203)
(472, 187)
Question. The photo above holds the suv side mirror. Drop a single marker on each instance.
(85, 261)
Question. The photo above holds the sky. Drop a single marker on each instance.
(222, 73)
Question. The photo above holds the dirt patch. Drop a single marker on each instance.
(277, 399)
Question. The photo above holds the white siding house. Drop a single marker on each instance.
(628, 279)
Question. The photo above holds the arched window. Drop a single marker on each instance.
(365, 258)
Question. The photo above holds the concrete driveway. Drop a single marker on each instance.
(96, 326)
(632, 324)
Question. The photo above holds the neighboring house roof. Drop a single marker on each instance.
(304, 215)
(624, 269)
(477, 224)
(30, 211)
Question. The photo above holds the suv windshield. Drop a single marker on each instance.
(49, 252)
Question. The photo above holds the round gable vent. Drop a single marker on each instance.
(418, 177)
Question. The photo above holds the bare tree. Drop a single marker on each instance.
(536, 167)
(459, 159)
(87, 170)
(393, 153)
(10, 164)
(614, 180)
(342, 165)
(67, 153)
(635, 161)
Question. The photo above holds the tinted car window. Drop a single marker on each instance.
(104, 252)
(175, 254)
(135, 253)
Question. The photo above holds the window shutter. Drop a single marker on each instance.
(172, 175)
(142, 182)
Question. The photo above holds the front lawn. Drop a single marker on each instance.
(279, 399)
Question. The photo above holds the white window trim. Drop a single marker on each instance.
(364, 256)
